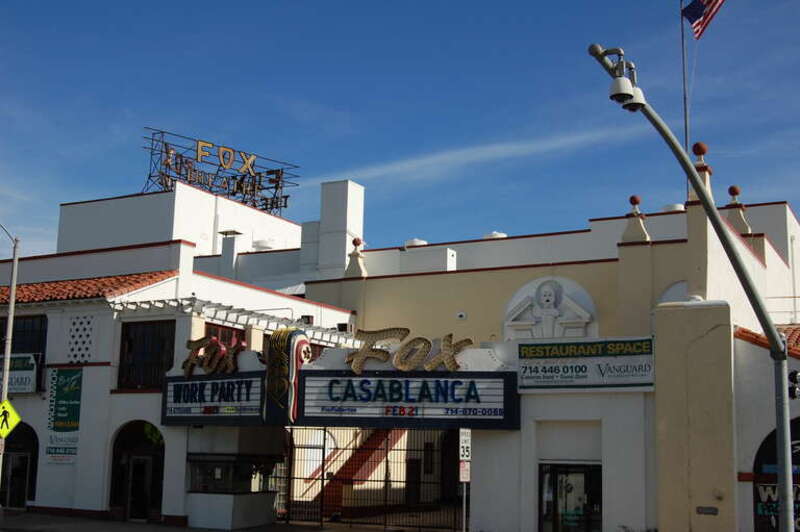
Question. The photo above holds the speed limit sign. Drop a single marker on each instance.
(465, 444)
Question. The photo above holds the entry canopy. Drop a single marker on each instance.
(392, 381)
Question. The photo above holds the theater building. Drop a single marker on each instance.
(645, 386)
(101, 331)
(614, 376)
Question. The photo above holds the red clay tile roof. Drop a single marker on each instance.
(792, 332)
(95, 287)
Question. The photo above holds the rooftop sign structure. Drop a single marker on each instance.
(242, 176)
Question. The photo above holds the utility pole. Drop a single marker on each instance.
(12, 295)
(625, 91)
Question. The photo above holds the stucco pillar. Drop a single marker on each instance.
(699, 231)
(635, 288)
(495, 490)
(695, 431)
(173, 499)
(254, 336)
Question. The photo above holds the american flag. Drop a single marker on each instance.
(699, 14)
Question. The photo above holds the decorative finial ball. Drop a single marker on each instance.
(699, 148)
(357, 242)
(635, 200)
(733, 190)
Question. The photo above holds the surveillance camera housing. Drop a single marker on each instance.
(621, 89)
(635, 103)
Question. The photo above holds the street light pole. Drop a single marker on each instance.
(12, 295)
(777, 343)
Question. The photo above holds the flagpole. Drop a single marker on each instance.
(685, 90)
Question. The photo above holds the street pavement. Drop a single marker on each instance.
(32, 522)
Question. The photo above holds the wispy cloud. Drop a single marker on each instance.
(332, 120)
(447, 163)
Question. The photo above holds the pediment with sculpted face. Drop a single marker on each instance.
(550, 307)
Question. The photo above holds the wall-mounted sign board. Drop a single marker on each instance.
(409, 399)
(22, 377)
(597, 363)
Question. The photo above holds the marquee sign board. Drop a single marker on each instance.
(412, 399)
(235, 400)
(602, 363)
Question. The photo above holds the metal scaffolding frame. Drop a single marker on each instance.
(237, 317)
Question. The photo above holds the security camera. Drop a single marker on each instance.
(621, 89)
(636, 102)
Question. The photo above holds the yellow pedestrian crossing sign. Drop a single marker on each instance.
(8, 418)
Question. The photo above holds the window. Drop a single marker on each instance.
(234, 474)
(227, 335)
(147, 349)
(427, 458)
(29, 336)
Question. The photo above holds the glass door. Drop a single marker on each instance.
(570, 498)
(14, 485)
(141, 471)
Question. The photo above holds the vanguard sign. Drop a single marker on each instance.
(413, 399)
(22, 377)
(587, 364)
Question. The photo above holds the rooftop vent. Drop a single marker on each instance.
(673, 207)
(415, 242)
(495, 234)
(264, 244)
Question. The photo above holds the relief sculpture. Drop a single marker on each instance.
(547, 311)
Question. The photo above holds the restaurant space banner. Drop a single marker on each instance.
(409, 399)
(597, 363)
(64, 414)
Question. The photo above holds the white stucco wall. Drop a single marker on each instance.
(122, 220)
(200, 216)
(186, 213)
(167, 256)
(755, 415)
(509, 460)
(599, 242)
(268, 302)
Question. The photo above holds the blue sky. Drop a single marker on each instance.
(459, 117)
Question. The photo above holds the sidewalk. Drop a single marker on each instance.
(30, 522)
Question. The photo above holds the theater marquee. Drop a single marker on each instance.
(412, 399)
(214, 400)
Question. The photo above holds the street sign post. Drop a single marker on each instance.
(8, 418)
(465, 444)
(463, 471)
(465, 456)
